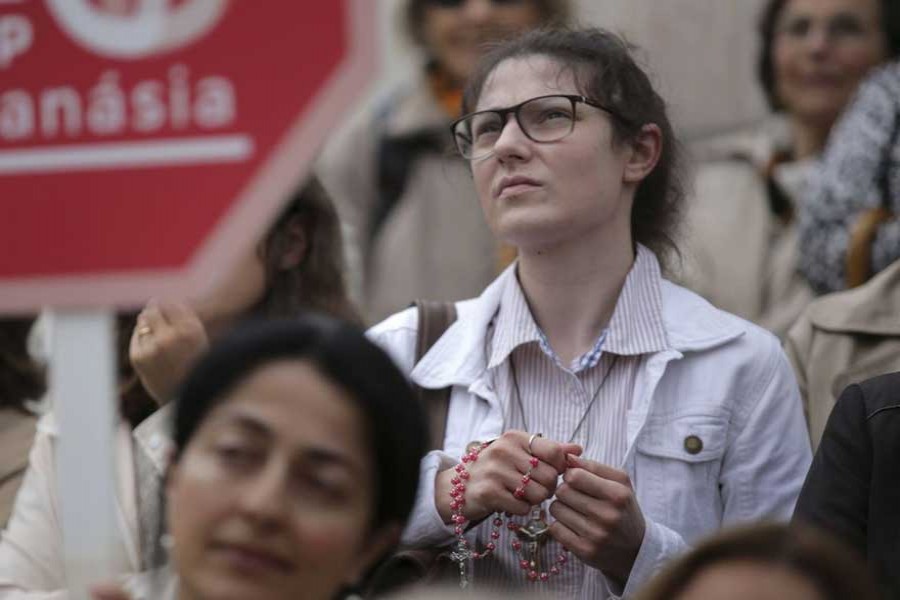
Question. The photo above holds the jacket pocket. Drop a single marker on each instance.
(677, 464)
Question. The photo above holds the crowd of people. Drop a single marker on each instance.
(648, 370)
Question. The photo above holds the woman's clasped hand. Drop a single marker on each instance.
(168, 339)
(598, 517)
(498, 472)
(596, 514)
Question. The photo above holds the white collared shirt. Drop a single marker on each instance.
(586, 402)
(717, 378)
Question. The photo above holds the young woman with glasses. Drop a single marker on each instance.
(601, 418)
(402, 193)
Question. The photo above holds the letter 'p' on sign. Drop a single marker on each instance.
(146, 143)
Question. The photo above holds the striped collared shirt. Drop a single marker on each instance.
(555, 399)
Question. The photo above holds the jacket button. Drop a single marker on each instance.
(693, 444)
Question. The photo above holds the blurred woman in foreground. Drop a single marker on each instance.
(295, 465)
(298, 266)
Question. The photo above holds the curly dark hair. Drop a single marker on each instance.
(768, 24)
(316, 284)
(606, 72)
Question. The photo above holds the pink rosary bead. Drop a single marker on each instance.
(458, 501)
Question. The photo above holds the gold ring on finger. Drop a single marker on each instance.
(145, 330)
(531, 441)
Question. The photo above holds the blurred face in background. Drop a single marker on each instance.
(273, 496)
(822, 49)
(455, 31)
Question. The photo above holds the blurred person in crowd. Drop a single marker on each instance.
(294, 466)
(848, 231)
(21, 380)
(297, 267)
(413, 224)
(665, 417)
(764, 562)
(853, 487)
(741, 240)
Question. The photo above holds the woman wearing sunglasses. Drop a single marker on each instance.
(402, 195)
(601, 418)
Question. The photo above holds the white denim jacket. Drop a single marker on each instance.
(721, 379)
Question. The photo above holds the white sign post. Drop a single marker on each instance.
(82, 386)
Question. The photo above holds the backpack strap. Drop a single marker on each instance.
(434, 319)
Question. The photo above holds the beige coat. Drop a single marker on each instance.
(434, 243)
(16, 433)
(737, 253)
(31, 549)
(844, 338)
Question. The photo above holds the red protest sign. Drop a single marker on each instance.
(143, 143)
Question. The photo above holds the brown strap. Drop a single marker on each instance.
(859, 249)
(434, 319)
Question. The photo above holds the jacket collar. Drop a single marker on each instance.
(870, 309)
(154, 436)
(459, 357)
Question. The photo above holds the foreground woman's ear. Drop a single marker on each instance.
(646, 148)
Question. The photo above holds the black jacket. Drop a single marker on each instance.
(853, 486)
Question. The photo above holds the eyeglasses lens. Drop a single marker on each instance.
(542, 119)
(547, 119)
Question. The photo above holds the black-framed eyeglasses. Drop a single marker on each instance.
(543, 119)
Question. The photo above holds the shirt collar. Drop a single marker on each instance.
(636, 326)
(514, 325)
(459, 357)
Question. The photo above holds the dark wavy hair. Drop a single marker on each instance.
(551, 12)
(317, 283)
(394, 419)
(606, 72)
(768, 25)
(834, 570)
(21, 377)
